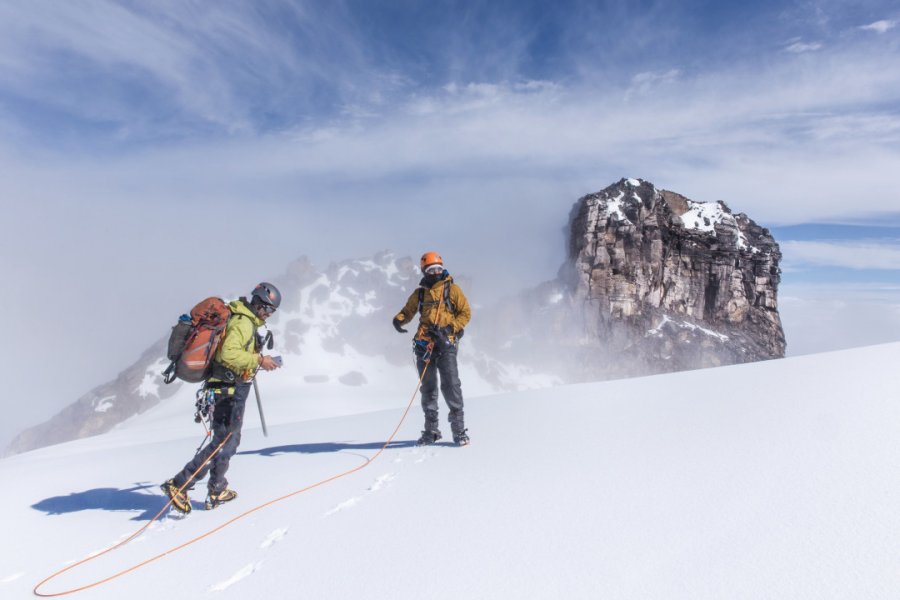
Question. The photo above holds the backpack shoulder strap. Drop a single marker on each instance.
(447, 302)
(255, 328)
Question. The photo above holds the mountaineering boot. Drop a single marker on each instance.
(460, 438)
(180, 500)
(213, 500)
(428, 437)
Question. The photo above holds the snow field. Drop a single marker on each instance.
(769, 480)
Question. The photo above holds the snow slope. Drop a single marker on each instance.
(767, 480)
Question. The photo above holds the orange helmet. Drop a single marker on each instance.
(430, 258)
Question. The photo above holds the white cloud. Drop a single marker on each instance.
(645, 82)
(801, 47)
(825, 317)
(851, 255)
(812, 325)
(880, 26)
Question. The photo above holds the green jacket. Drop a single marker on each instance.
(238, 352)
(433, 310)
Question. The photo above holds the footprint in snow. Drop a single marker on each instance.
(245, 572)
(91, 554)
(105, 549)
(343, 505)
(379, 483)
(11, 578)
(164, 524)
(376, 485)
(425, 455)
(273, 538)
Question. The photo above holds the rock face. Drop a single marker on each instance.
(654, 282)
(671, 284)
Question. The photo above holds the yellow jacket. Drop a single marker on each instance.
(434, 311)
(238, 352)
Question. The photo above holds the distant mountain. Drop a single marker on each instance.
(334, 328)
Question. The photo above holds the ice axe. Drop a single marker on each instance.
(268, 342)
(262, 418)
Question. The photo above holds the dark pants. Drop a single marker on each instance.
(228, 417)
(443, 362)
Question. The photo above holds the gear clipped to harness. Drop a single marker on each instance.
(206, 401)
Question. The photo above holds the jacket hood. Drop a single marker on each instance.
(241, 306)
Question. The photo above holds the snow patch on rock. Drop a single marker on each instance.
(104, 404)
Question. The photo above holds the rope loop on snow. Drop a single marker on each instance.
(368, 461)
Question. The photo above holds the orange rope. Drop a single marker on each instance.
(223, 525)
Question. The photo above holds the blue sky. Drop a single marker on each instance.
(337, 129)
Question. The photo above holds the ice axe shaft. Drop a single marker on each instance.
(262, 417)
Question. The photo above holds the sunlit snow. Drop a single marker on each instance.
(766, 480)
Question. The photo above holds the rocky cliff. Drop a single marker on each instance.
(654, 282)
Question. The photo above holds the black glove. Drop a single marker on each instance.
(398, 325)
(441, 335)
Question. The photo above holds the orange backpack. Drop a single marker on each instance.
(194, 341)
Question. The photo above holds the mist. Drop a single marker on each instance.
(97, 282)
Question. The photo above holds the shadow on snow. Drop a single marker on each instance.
(138, 498)
(131, 499)
(326, 447)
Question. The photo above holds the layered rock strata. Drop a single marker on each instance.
(670, 283)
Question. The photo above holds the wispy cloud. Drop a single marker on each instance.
(227, 67)
(801, 47)
(881, 26)
(646, 82)
(752, 135)
(851, 255)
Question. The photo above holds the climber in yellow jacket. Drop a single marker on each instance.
(444, 313)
